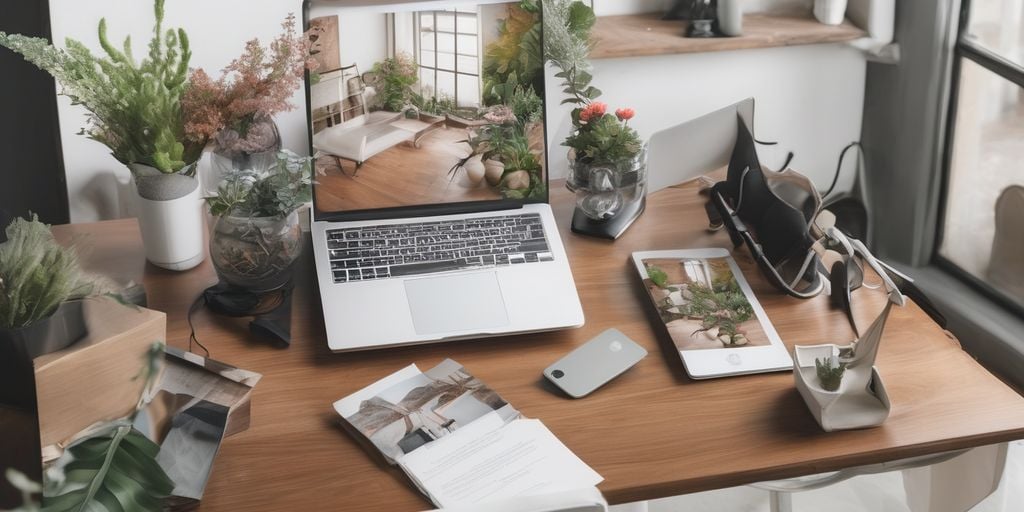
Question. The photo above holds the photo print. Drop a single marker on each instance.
(425, 407)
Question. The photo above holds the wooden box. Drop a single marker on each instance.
(100, 377)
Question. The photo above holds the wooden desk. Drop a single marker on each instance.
(651, 433)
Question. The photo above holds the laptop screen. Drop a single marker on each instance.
(426, 103)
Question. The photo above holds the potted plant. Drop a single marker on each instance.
(830, 372)
(257, 237)
(134, 109)
(235, 112)
(394, 78)
(607, 161)
(41, 287)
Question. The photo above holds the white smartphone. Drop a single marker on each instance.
(595, 363)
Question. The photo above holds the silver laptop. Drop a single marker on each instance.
(430, 218)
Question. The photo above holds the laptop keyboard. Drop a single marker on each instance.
(398, 250)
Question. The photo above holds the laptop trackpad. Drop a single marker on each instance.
(455, 303)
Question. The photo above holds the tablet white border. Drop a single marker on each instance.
(723, 362)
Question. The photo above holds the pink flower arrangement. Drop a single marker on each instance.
(235, 111)
(625, 114)
(593, 111)
(500, 114)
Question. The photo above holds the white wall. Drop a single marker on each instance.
(809, 98)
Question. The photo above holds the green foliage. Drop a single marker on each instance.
(114, 469)
(433, 105)
(721, 305)
(524, 101)
(604, 140)
(36, 274)
(829, 375)
(657, 276)
(275, 192)
(395, 78)
(517, 55)
(567, 46)
(134, 107)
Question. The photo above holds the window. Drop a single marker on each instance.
(448, 53)
(982, 230)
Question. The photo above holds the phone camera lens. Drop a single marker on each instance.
(558, 374)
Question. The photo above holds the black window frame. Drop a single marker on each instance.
(455, 34)
(977, 53)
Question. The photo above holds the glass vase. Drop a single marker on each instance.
(604, 189)
(256, 150)
(255, 253)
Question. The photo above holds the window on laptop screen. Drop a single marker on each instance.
(426, 103)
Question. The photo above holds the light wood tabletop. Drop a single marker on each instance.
(651, 433)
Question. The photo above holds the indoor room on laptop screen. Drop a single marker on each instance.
(434, 103)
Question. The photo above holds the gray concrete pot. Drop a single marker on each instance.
(18, 348)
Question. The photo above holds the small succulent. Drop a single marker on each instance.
(830, 372)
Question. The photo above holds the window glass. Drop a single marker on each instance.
(996, 25)
(449, 55)
(983, 228)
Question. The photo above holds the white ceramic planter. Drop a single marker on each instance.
(853, 405)
(830, 12)
(172, 231)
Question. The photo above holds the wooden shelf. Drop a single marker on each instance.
(640, 35)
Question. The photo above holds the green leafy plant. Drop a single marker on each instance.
(721, 305)
(830, 373)
(275, 192)
(434, 105)
(27, 487)
(36, 274)
(395, 78)
(134, 107)
(517, 56)
(115, 468)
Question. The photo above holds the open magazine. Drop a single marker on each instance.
(458, 440)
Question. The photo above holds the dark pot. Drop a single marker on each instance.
(18, 347)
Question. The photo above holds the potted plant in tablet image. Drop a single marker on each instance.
(134, 109)
(257, 237)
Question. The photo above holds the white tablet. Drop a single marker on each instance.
(710, 313)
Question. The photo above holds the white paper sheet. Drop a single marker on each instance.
(489, 460)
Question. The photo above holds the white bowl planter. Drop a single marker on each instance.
(830, 12)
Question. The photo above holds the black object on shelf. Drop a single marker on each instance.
(610, 228)
(702, 18)
(680, 10)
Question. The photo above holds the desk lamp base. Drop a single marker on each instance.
(611, 228)
(272, 310)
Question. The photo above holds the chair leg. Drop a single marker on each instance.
(780, 501)
(358, 165)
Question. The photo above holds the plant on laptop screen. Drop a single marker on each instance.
(134, 106)
(394, 80)
(235, 110)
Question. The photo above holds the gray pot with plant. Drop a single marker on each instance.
(41, 292)
(135, 110)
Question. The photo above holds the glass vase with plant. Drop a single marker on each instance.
(257, 237)
(236, 111)
(607, 159)
(394, 78)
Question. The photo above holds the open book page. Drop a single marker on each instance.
(409, 409)
(491, 460)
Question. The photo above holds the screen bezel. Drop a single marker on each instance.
(422, 210)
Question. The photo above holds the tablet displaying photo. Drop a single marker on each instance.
(710, 313)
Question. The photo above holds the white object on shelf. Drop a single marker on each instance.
(172, 231)
(830, 12)
(730, 17)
